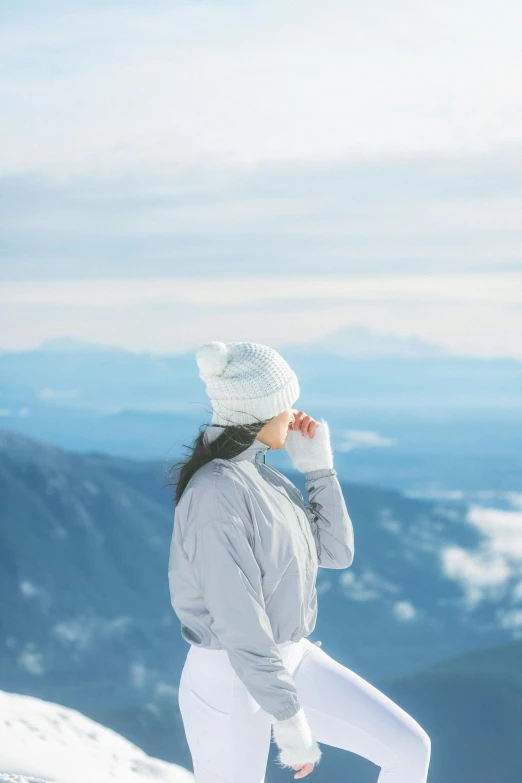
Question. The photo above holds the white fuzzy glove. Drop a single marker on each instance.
(294, 739)
(309, 453)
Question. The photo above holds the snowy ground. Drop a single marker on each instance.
(4, 778)
(42, 742)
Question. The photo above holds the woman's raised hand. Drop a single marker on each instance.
(302, 422)
(313, 452)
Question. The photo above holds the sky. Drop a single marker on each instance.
(175, 172)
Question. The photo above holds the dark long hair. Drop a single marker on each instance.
(234, 439)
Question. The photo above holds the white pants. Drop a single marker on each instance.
(229, 734)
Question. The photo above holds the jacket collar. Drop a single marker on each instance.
(250, 453)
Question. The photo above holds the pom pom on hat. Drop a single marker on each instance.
(212, 358)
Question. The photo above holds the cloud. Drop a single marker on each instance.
(162, 141)
(367, 586)
(32, 591)
(85, 632)
(392, 218)
(31, 660)
(481, 574)
(128, 292)
(404, 611)
(387, 521)
(364, 439)
(503, 530)
(323, 586)
(138, 674)
(511, 619)
(487, 573)
(165, 689)
(515, 499)
(239, 84)
(516, 595)
(54, 394)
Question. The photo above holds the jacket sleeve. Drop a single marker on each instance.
(329, 519)
(231, 585)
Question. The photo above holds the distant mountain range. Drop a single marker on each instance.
(356, 341)
(407, 419)
(359, 342)
(353, 367)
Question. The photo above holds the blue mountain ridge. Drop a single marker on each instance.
(86, 619)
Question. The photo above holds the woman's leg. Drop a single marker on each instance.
(347, 712)
(227, 733)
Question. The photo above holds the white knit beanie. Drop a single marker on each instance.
(246, 381)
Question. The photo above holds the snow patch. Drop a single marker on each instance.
(43, 742)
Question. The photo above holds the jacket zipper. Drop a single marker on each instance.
(293, 509)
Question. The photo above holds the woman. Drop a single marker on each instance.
(243, 562)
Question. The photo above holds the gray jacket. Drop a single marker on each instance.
(243, 564)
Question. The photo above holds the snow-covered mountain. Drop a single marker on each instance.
(43, 742)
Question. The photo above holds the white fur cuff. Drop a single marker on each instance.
(307, 453)
(295, 742)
